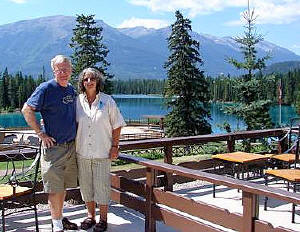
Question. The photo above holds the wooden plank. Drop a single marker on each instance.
(181, 222)
(127, 185)
(198, 165)
(199, 209)
(168, 176)
(150, 223)
(127, 200)
(152, 143)
(260, 226)
(218, 179)
(250, 202)
(132, 174)
(230, 144)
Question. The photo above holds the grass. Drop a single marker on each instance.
(18, 164)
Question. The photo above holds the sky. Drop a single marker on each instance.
(277, 20)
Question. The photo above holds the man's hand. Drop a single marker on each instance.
(46, 140)
(114, 153)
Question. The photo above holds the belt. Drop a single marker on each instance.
(65, 143)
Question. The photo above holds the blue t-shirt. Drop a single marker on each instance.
(57, 105)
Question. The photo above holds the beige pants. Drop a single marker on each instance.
(94, 179)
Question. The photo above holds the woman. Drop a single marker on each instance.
(97, 143)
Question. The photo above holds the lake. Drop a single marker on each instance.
(135, 106)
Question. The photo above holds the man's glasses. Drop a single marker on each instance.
(61, 71)
(89, 79)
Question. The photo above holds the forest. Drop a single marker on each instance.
(16, 88)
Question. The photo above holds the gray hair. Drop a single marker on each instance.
(97, 74)
(60, 59)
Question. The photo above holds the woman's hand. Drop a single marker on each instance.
(114, 153)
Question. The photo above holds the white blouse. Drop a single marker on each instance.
(95, 125)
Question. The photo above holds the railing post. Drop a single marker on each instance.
(150, 224)
(168, 158)
(250, 211)
(283, 144)
(230, 144)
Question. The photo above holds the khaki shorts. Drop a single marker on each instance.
(94, 179)
(59, 167)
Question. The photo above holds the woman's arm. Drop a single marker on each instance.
(114, 150)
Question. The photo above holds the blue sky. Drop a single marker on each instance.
(278, 20)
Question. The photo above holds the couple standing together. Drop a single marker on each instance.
(80, 138)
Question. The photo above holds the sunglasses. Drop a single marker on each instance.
(89, 79)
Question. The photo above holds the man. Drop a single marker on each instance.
(56, 101)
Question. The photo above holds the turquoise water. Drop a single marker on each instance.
(135, 106)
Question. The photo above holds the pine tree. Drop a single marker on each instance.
(11, 92)
(1, 93)
(89, 50)
(186, 90)
(41, 77)
(252, 109)
(4, 94)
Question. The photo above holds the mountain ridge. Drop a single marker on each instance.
(28, 45)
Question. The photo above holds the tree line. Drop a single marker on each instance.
(138, 86)
(15, 89)
(223, 89)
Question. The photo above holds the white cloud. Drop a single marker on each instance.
(296, 46)
(194, 7)
(277, 12)
(19, 1)
(269, 11)
(148, 23)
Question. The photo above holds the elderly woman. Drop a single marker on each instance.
(97, 143)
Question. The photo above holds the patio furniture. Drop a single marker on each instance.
(287, 158)
(18, 181)
(290, 175)
(237, 164)
(155, 117)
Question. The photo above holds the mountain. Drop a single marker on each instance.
(138, 52)
(282, 67)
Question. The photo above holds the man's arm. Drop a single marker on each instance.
(29, 115)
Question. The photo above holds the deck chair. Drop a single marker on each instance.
(18, 181)
(290, 175)
(287, 158)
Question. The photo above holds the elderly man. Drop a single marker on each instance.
(55, 100)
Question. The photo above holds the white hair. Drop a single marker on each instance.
(60, 59)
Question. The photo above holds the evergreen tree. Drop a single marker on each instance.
(41, 77)
(89, 50)
(252, 109)
(20, 98)
(4, 94)
(186, 90)
(11, 92)
(1, 93)
(298, 99)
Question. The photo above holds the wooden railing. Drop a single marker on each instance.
(147, 196)
(149, 188)
(155, 197)
(230, 139)
(141, 136)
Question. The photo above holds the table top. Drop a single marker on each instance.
(288, 157)
(288, 174)
(240, 157)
